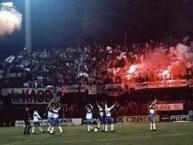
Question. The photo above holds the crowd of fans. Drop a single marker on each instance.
(88, 65)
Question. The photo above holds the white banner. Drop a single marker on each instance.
(162, 84)
(44, 122)
(73, 89)
(169, 107)
(182, 117)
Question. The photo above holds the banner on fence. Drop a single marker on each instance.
(44, 122)
(44, 95)
(169, 107)
(162, 84)
(30, 96)
(73, 88)
(135, 119)
(181, 117)
(174, 118)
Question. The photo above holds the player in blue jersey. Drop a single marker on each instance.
(89, 117)
(152, 115)
(101, 119)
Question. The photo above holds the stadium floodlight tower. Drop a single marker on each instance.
(28, 40)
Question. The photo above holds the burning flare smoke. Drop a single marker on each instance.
(10, 20)
(164, 62)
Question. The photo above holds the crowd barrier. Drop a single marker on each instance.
(135, 119)
(44, 122)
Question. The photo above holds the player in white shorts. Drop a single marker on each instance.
(89, 115)
(152, 116)
(50, 116)
(36, 122)
(56, 122)
(108, 118)
(101, 116)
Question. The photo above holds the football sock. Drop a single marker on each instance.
(99, 124)
(88, 127)
(151, 126)
(40, 129)
(49, 128)
(52, 130)
(154, 127)
(60, 128)
(33, 129)
(106, 128)
(112, 127)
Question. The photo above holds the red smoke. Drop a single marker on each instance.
(158, 63)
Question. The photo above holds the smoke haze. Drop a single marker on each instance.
(10, 20)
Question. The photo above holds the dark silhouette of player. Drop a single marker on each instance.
(26, 118)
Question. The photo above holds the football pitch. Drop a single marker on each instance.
(125, 134)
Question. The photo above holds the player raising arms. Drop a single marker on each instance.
(152, 115)
(108, 118)
(101, 116)
(89, 109)
(55, 111)
(50, 115)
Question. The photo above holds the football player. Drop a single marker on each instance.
(152, 115)
(36, 122)
(89, 115)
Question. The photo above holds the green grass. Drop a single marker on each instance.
(128, 134)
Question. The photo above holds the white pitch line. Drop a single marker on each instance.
(107, 140)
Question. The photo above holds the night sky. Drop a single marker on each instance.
(58, 23)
